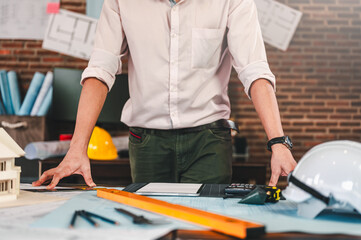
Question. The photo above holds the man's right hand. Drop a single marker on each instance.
(73, 163)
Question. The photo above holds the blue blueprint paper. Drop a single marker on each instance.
(43, 93)
(5, 93)
(61, 217)
(31, 94)
(279, 217)
(94, 8)
(45, 105)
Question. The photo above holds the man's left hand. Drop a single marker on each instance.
(282, 163)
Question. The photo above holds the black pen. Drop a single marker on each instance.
(101, 217)
(87, 218)
(72, 222)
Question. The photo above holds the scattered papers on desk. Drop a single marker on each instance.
(170, 189)
(60, 219)
(14, 225)
(279, 217)
(30, 198)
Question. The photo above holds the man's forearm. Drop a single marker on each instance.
(91, 101)
(265, 103)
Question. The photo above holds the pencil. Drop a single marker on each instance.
(72, 222)
(87, 218)
(101, 217)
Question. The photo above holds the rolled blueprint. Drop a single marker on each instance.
(14, 91)
(43, 150)
(45, 105)
(5, 93)
(47, 84)
(49, 149)
(31, 94)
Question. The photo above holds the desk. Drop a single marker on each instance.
(209, 235)
(19, 230)
(117, 172)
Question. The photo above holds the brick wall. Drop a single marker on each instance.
(318, 78)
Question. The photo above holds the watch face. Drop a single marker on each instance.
(288, 141)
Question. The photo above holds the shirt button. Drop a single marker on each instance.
(173, 35)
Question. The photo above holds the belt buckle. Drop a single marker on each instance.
(233, 125)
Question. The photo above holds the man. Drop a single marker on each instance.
(180, 55)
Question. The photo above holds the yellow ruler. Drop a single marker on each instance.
(227, 225)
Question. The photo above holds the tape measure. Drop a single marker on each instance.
(223, 224)
(273, 194)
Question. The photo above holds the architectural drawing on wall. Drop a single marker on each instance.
(278, 22)
(70, 33)
(23, 19)
(9, 173)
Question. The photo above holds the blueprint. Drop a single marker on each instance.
(278, 22)
(51, 220)
(70, 33)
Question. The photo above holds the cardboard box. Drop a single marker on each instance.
(24, 129)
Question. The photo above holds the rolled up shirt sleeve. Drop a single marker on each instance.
(246, 44)
(109, 46)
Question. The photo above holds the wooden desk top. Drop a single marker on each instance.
(210, 235)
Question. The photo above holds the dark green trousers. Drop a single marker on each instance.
(175, 156)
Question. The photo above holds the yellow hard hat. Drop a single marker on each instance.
(101, 146)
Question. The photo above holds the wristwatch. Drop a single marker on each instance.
(285, 140)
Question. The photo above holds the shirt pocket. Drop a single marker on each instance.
(206, 47)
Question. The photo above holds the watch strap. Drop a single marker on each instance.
(285, 140)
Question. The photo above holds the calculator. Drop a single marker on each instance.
(242, 189)
(239, 189)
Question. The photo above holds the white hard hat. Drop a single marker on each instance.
(327, 176)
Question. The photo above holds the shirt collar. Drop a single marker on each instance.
(173, 2)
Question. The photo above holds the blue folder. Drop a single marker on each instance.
(5, 93)
(31, 94)
(14, 91)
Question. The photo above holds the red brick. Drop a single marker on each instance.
(5, 52)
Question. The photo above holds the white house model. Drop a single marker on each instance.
(9, 173)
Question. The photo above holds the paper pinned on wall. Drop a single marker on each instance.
(24, 19)
(278, 22)
(53, 7)
(70, 33)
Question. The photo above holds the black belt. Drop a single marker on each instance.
(219, 124)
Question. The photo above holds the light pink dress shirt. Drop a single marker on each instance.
(179, 58)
